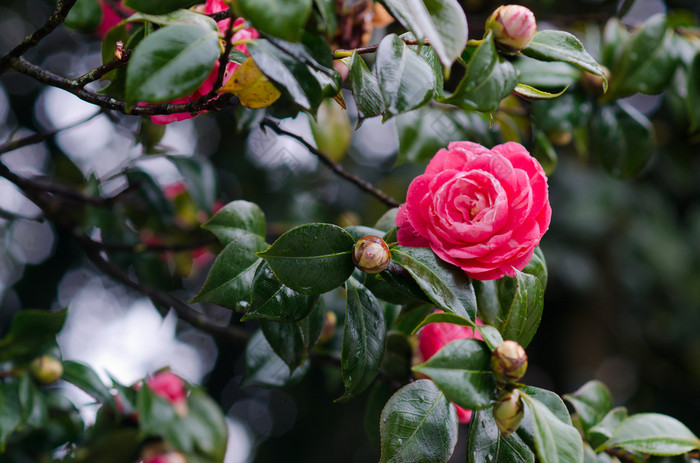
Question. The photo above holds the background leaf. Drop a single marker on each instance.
(592, 402)
(274, 301)
(555, 440)
(486, 443)
(280, 18)
(30, 332)
(654, 434)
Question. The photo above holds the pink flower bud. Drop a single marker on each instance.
(513, 26)
(170, 387)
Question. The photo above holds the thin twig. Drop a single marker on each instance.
(343, 53)
(40, 137)
(362, 184)
(184, 312)
(98, 72)
(58, 16)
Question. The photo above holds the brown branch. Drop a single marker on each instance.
(58, 16)
(336, 168)
(223, 61)
(184, 312)
(98, 72)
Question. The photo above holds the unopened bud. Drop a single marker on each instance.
(371, 254)
(594, 84)
(513, 27)
(46, 369)
(330, 322)
(508, 412)
(172, 388)
(509, 362)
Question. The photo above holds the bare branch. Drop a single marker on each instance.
(337, 168)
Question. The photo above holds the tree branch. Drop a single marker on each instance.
(58, 16)
(337, 168)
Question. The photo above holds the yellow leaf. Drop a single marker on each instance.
(251, 86)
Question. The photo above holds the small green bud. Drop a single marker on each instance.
(509, 362)
(513, 27)
(371, 254)
(46, 369)
(508, 412)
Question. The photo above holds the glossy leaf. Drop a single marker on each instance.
(446, 285)
(30, 331)
(538, 267)
(280, 18)
(406, 80)
(170, 63)
(312, 258)
(693, 100)
(551, 400)
(492, 337)
(235, 219)
(418, 424)
(34, 411)
(264, 368)
(230, 277)
(462, 370)
(176, 17)
(312, 326)
(85, 16)
(653, 434)
(157, 7)
(532, 93)
(365, 89)
(550, 75)
(622, 137)
(286, 340)
(85, 378)
(487, 80)
(274, 301)
(486, 443)
(364, 339)
(293, 78)
(592, 402)
(553, 45)
(442, 22)
(555, 440)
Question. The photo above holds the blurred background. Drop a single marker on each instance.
(622, 304)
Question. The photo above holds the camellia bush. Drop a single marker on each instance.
(417, 311)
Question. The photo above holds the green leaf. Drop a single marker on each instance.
(85, 378)
(462, 370)
(544, 152)
(648, 61)
(556, 441)
(364, 339)
(566, 113)
(200, 179)
(441, 22)
(293, 77)
(447, 286)
(545, 74)
(11, 416)
(604, 430)
(488, 79)
(264, 368)
(170, 63)
(313, 50)
(622, 137)
(206, 425)
(492, 337)
(29, 333)
(176, 17)
(155, 413)
(85, 16)
(693, 100)
(326, 9)
(443, 317)
(532, 93)
(554, 45)
(653, 434)
(512, 304)
(365, 89)
(387, 221)
(312, 326)
(551, 400)
(313, 258)
(486, 443)
(286, 340)
(157, 7)
(406, 80)
(280, 18)
(236, 218)
(538, 267)
(230, 279)
(274, 301)
(592, 402)
(418, 424)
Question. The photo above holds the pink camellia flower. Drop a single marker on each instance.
(513, 26)
(434, 337)
(170, 387)
(246, 33)
(482, 210)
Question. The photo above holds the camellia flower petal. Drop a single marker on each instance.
(482, 210)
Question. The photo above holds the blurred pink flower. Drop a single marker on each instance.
(434, 337)
(482, 210)
(111, 17)
(170, 387)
